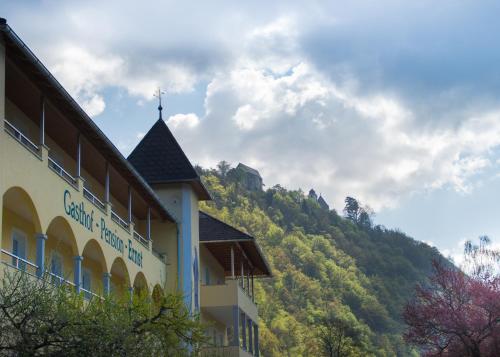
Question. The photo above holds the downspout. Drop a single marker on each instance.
(178, 256)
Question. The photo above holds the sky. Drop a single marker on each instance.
(395, 103)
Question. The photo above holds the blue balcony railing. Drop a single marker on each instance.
(58, 169)
(20, 137)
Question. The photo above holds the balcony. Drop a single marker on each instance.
(228, 304)
(214, 297)
(83, 169)
(141, 239)
(120, 221)
(59, 170)
(15, 262)
(42, 179)
(17, 135)
(93, 199)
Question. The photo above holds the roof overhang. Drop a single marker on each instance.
(245, 251)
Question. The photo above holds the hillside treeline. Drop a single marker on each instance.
(339, 282)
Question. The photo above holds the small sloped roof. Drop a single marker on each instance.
(219, 237)
(160, 160)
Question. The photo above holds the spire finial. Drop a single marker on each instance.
(158, 95)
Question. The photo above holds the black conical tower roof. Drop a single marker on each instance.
(160, 159)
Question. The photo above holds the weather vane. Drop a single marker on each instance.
(158, 95)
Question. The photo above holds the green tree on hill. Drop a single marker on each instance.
(323, 264)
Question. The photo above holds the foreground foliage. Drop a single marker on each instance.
(329, 271)
(40, 319)
(457, 313)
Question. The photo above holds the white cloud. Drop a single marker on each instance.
(281, 27)
(246, 117)
(189, 121)
(278, 97)
(94, 105)
(86, 74)
(140, 135)
(306, 131)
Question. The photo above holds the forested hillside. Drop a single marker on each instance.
(339, 280)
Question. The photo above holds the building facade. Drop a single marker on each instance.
(73, 207)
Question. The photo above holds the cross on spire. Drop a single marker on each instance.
(158, 95)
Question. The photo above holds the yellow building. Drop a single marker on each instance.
(74, 207)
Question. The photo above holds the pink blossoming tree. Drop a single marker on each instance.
(457, 314)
